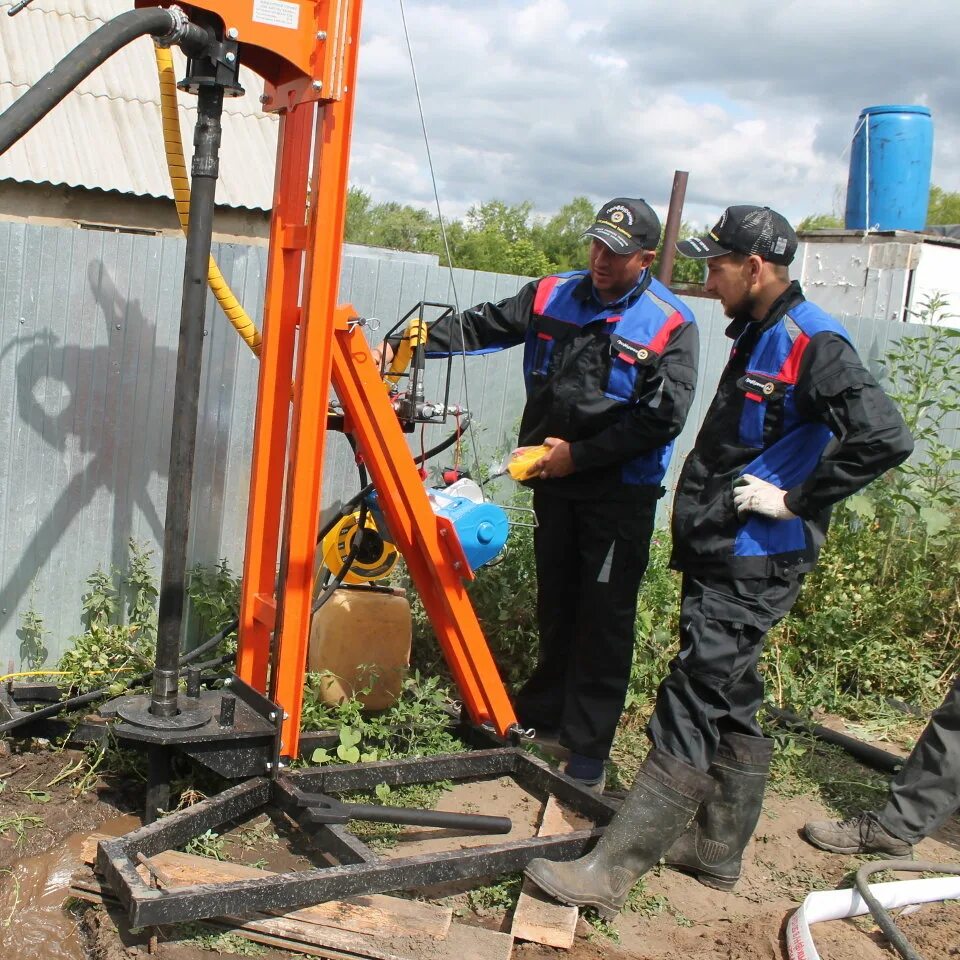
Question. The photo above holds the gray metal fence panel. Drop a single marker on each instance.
(88, 334)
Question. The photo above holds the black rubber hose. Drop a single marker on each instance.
(367, 489)
(81, 700)
(884, 921)
(864, 752)
(95, 50)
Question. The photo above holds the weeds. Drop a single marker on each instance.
(208, 844)
(203, 938)
(20, 824)
(498, 896)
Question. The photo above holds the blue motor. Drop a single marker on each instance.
(481, 526)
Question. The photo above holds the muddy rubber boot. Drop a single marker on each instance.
(663, 798)
(712, 846)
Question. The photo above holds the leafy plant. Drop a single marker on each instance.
(208, 844)
(497, 896)
(214, 594)
(33, 651)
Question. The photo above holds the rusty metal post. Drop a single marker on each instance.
(672, 230)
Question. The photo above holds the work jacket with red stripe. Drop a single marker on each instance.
(615, 380)
(794, 407)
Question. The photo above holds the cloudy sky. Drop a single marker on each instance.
(543, 100)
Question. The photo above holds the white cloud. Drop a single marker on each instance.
(543, 100)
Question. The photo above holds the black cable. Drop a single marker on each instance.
(366, 490)
(884, 921)
(95, 50)
(81, 700)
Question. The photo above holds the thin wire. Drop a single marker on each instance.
(443, 231)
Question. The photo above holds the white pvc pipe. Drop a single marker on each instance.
(837, 904)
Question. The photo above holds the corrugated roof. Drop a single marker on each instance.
(107, 134)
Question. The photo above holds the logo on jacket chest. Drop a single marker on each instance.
(631, 351)
(763, 386)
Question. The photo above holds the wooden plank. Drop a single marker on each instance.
(295, 935)
(476, 943)
(462, 942)
(538, 918)
(373, 914)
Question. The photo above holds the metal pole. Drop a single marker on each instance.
(672, 229)
(206, 139)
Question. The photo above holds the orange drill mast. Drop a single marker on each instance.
(307, 54)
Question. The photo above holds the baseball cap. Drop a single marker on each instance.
(626, 226)
(745, 229)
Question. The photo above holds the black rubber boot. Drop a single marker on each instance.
(712, 847)
(661, 802)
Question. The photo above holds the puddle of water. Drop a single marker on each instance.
(33, 922)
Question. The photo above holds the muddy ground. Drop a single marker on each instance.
(42, 824)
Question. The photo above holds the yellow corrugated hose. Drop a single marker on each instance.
(177, 168)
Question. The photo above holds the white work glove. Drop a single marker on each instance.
(753, 495)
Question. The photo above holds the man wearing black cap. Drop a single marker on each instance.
(610, 365)
(797, 424)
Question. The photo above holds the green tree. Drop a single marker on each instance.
(561, 237)
(944, 207)
(820, 221)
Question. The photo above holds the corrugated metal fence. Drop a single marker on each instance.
(88, 333)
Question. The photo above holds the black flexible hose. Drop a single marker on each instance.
(420, 459)
(884, 921)
(96, 49)
(81, 700)
(864, 752)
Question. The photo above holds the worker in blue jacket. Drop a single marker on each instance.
(610, 366)
(796, 425)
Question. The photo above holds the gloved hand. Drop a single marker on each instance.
(753, 495)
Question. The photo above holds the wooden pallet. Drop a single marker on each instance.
(373, 927)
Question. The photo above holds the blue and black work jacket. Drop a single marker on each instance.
(796, 407)
(615, 380)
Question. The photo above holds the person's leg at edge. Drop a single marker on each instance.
(924, 793)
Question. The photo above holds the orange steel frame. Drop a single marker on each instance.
(311, 74)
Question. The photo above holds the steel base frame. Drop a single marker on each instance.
(360, 869)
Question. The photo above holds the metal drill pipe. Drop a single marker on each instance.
(186, 401)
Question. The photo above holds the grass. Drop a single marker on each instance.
(803, 765)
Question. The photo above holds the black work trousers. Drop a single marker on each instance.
(927, 789)
(714, 687)
(590, 556)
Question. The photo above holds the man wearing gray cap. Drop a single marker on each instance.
(610, 366)
(796, 425)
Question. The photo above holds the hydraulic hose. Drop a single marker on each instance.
(884, 921)
(864, 752)
(180, 182)
(81, 700)
(43, 96)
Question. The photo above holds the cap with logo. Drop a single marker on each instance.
(626, 226)
(745, 229)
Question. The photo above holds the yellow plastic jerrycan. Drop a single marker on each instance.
(361, 637)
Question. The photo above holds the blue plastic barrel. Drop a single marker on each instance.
(889, 184)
